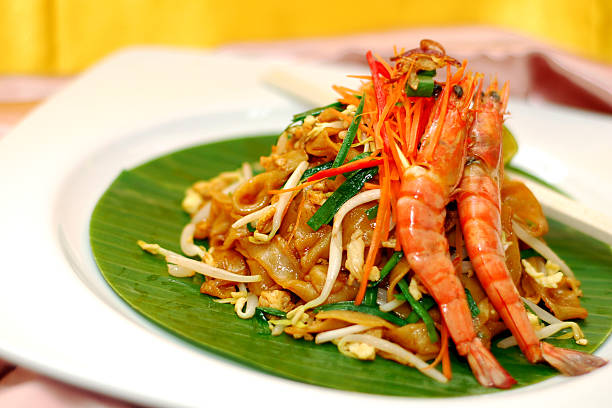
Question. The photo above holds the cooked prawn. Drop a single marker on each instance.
(425, 191)
(479, 205)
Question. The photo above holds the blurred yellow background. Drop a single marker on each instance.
(66, 36)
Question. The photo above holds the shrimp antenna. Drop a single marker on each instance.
(505, 92)
(478, 99)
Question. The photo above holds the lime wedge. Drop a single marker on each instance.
(509, 145)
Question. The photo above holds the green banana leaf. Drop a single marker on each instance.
(144, 203)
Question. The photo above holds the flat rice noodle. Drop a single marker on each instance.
(473, 285)
(355, 318)
(252, 195)
(401, 269)
(562, 301)
(229, 260)
(220, 223)
(341, 291)
(487, 323)
(311, 246)
(513, 252)
(281, 265)
(524, 206)
(316, 326)
(322, 145)
(266, 283)
(414, 337)
(284, 163)
(357, 220)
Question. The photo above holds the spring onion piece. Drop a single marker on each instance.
(471, 303)
(370, 296)
(420, 310)
(272, 311)
(348, 189)
(371, 310)
(316, 111)
(425, 86)
(350, 135)
(250, 227)
(391, 263)
(372, 212)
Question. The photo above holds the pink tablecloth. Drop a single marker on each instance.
(535, 70)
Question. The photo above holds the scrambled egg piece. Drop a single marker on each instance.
(547, 277)
(277, 299)
(359, 351)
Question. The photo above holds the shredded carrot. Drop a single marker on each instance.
(367, 77)
(441, 114)
(371, 186)
(443, 350)
(297, 219)
(382, 217)
(446, 364)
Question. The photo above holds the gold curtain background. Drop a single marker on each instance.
(66, 36)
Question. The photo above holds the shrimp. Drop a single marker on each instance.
(479, 201)
(424, 193)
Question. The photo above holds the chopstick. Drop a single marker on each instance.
(296, 87)
(556, 206)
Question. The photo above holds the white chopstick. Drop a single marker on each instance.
(556, 206)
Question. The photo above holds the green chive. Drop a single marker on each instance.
(371, 310)
(272, 311)
(370, 296)
(250, 228)
(372, 212)
(350, 136)
(317, 111)
(471, 303)
(391, 263)
(420, 310)
(345, 192)
(427, 302)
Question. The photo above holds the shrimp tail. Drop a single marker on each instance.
(570, 362)
(485, 367)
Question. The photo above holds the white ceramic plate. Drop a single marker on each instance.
(58, 316)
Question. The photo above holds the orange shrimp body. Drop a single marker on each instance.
(424, 193)
(479, 206)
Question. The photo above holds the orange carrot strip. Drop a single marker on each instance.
(446, 364)
(443, 349)
(381, 217)
(371, 186)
